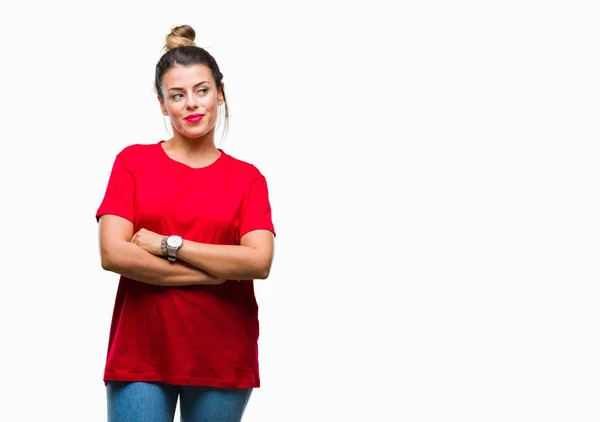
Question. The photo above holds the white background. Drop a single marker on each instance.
(433, 172)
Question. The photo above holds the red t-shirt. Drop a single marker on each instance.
(191, 335)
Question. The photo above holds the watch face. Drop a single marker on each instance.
(174, 241)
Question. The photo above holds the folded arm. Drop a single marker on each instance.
(250, 260)
(121, 256)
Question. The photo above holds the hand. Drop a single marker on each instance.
(148, 241)
(204, 277)
(216, 281)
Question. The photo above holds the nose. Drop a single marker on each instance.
(192, 102)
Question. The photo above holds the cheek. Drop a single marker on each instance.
(173, 110)
(211, 102)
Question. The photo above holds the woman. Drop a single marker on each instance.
(188, 227)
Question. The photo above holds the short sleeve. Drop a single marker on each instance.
(120, 192)
(256, 210)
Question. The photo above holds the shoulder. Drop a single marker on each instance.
(243, 169)
(136, 150)
(136, 155)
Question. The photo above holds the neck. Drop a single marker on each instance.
(193, 146)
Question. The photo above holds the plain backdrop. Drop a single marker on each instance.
(433, 174)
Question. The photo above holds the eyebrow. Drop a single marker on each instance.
(195, 86)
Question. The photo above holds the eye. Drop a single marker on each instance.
(203, 91)
(176, 96)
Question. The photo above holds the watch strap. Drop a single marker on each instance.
(171, 253)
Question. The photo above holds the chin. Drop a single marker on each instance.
(193, 135)
(196, 132)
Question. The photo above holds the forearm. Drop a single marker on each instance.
(226, 261)
(133, 262)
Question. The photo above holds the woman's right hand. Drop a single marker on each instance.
(217, 281)
(206, 278)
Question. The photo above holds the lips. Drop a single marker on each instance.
(194, 118)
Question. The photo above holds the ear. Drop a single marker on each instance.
(162, 106)
(221, 97)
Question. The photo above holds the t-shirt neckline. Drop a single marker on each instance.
(179, 163)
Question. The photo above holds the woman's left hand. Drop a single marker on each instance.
(148, 241)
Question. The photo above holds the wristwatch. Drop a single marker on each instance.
(171, 244)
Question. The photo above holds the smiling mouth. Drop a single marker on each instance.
(194, 118)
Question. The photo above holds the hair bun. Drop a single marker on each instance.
(180, 36)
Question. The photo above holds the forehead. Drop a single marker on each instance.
(182, 76)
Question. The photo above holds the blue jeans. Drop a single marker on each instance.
(156, 402)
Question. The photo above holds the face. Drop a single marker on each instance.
(191, 100)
